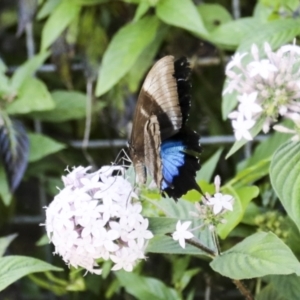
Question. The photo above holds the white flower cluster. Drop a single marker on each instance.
(94, 217)
(266, 88)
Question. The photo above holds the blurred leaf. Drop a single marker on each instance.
(229, 35)
(64, 100)
(213, 15)
(258, 255)
(285, 179)
(26, 11)
(27, 70)
(266, 148)
(14, 148)
(41, 146)
(33, 96)
(58, 21)
(47, 8)
(276, 33)
(15, 267)
(288, 286)
(251, 212)
(262, 12)
(5, 193)
(145, 287)
(242, 197)
(270, 293)
(207, 170)
(182, 14)
(5, 242)
(123, 51)
(141, 10)
(254, 132)
(145, 60)
(43, 240)
(229, 101)
(187, 276)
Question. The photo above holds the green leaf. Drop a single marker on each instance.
(258, 255)
(285, 179)
(145, 287)
(5, 242)
(231, 34)
(276, 33)
(58, 21)
(5, 193)
(64, 100)
(33, 96)
(145, 60)
(47, 9)
(207, 170)
(242, 197)
(13, 268)
(287, 286)
(229, 101)
(123, 51)
(141, 10)
(41, 146)
(27, 70)
(254, 131)
(213, 15)
(182, 14)
(269, 293)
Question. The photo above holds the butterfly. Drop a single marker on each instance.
(160, 142)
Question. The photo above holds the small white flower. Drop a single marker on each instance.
(220, 202)
(248, 106)
(181, 234)
(241, 128)
(124, 259)
(140, 232)
(262, 68)
(235, 60)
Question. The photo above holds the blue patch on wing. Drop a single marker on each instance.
(172, 159)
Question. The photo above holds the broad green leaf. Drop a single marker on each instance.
(254, 131)
(33, 96)
(41, 146)
(231, 34)
(5, 193)
(208, 168)
(258, 255)
(213, 15)
(262, 12)
(182, 14)
(15, 267)
(285, 179)
(123, 51)
(145, 60)
(229, 101)
(162, 225)
(276, 33)
(287, 286)
(242, 197)
(251, 212)
(58, 21)
(64, 100)
(145, 287)
(27, 70)
(5, 242)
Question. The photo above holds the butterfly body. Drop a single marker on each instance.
(160, 143)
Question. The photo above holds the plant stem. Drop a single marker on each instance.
(243, 289)
(199, 245)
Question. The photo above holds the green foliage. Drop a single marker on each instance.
(123, 51)
(41, 146)
(284, 174)
(258, 255)
(14, 267)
